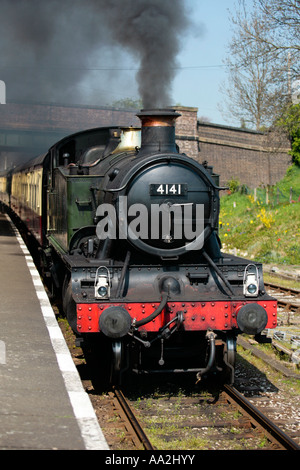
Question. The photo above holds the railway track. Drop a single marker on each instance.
(250, 425)
(286, 337)
(226, 422)
(277, 437)
(287, 298)
(130, 421)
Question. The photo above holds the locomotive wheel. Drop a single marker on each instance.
(117, 362)
(69, 307)
(229, 358)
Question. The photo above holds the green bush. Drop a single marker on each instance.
(233, 185)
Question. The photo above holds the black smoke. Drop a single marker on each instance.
(90, 51)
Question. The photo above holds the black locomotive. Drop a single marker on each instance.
(127, 231)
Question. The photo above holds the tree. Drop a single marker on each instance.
(290, 123)
(283, 23)
(128, 103)
(257, 79)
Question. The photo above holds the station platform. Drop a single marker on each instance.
(43, 405)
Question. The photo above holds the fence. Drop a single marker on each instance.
(273, 196)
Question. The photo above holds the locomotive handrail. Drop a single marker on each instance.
(156, 157)
(83, 203)
(124, 269)
(215, 267)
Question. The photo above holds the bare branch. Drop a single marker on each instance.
(261, 62)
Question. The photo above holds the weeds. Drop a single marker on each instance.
(265, 233)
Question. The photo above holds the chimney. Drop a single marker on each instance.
(158, 130)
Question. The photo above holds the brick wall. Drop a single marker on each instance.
(41, 117)
(251, 157)
(27, 130)
(186, 131)
(254, 158)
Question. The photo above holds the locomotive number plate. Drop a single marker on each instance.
(170, 189)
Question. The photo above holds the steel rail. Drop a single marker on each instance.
(133, 420)
(272, 285)
(280, 436)
(287, 305)
(290, 304)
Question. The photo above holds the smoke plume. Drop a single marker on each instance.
(90, 51)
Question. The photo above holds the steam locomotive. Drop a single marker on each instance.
(127, 233)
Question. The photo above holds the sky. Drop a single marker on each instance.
(200, 75)
(200, 86)
(88, 52)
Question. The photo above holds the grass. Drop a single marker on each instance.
(291, 283)
(268, 233)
